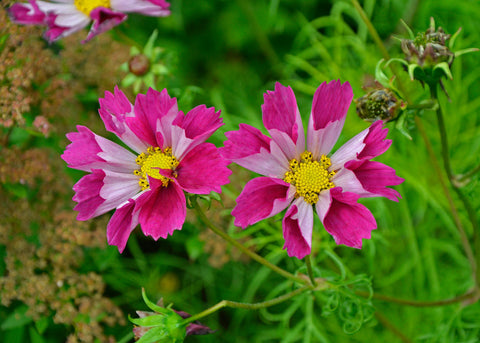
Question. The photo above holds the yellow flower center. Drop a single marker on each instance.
(87, 6)
(310, 177)
(150, 164)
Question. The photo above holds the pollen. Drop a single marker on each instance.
(150, 164)
(87, 6)
(310, 177)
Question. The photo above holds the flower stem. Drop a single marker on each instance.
(474, 260)
(241, 247)
(248, 306)
(308, 261)
(469, 174)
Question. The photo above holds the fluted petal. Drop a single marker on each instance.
(297, 229)
(121, 225)
(282, 119)
(162, 209)
(203, 170)
(329, 109)
(261, 198)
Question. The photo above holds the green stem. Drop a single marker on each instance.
(415, 303)
(387, 324)
(371, 29)
(472, 216)
(308, 261)
(248, 306)
(241, 247)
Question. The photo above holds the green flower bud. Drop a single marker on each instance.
(379, 104)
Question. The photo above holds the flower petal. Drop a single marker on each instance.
(282, 119)
(27, 14)
(157, 8)
(121, 225)
(89, 151)
(346, 220)
(103, 20)
(297, 229)
(261, 198)
(114, 109)
(250, 148)
(162, 209)
(87, 194)
(329, 109)
(154, 114)
(199, 123)
(203, 170)
(374, 178)
(102, 191)
(367, 144)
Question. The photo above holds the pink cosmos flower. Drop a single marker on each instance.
(145, 186)
(64, 17)
(300, 177)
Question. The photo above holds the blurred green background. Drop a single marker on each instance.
(59, 281)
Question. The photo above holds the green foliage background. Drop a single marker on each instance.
(226, 54)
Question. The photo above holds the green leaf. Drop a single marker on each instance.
(17, 319)
(194, 247)
(42, 325)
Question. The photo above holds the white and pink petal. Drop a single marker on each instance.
(282, 119)
(261, 198)
(251, 149)
(375, 177)
(297, 229)
(121, 225)
(329, 110)
(157, 8)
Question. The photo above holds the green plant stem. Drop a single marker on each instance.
(387, 324)
(308, 261)
(415, 303)
(241, 247)
(248, 306)
(472, 216)
(371, 29)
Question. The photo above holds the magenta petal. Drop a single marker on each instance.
(27, 14)
(162, 210)
(261, 198)
(87, 194)
(329, 109)
(154, 115)
(375, 142)
(375, 177)
(103, 20)
(114, 109)
(199, 123)
(346, 220)
(297, 229)
(280, 113)
(250, 148)
(82, 153)
(121, 225)
(203, 170)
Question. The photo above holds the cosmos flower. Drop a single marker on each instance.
(301, 176)
(145, 186)
(64, 17)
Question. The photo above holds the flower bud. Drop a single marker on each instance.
(139, 65)
(379, 104)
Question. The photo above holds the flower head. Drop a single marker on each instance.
(145, 186)
(379, 104)
(300, 175)
(165, 324)
(64, 17)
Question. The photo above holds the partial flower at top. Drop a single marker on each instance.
(299, 174)
(64, 17)
(169, 157)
